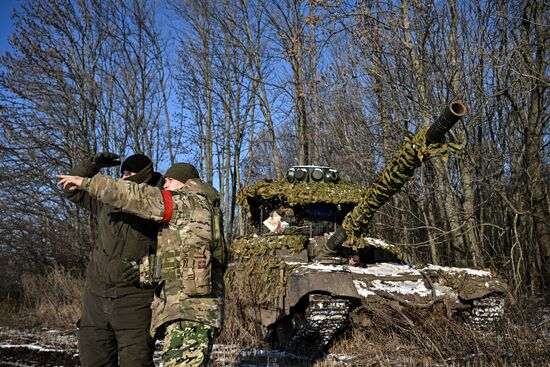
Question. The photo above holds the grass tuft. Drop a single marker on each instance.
(49, 300)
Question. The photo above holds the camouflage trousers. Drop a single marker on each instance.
(187, 343)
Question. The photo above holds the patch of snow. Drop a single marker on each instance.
(362, 288)
(231, 354)
(377, 242)
(402, 287)
(31, 346)
(474, 272)
(15, 364)
(340, 357)
(295, 263)
(380, 269)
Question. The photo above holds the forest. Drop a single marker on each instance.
(245, 89)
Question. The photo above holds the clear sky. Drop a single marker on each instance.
(6, 23)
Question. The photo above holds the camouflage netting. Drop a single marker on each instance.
(254, 295)
(342, 192)
(275, 195)
(258, 282)
(398, 171)
(469, 286)
(267, 245)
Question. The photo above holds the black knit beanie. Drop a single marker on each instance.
(135, 163)
(141, 165)
(182, 172)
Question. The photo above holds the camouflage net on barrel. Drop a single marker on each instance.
(398, 171)
(267, 245)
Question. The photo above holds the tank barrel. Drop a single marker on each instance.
(450, 116)
(398, 172)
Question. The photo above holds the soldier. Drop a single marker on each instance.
(116, 314)
(187, 309)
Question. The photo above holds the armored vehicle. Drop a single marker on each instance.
(306, 264)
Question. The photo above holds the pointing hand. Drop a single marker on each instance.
(70, 182)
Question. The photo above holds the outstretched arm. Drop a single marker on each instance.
(89, 168)
(139, 199)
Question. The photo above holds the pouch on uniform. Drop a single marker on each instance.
(196, 273)
(148, 273)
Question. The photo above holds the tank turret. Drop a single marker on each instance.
(281, 290)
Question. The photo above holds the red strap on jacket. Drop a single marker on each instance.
(168, 206)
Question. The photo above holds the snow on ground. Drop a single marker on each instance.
(36, 347)
(56, 348)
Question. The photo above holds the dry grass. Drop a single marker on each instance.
(383, 336)
(241, 312)
(50, 300)
(423, 338)
(389, 335)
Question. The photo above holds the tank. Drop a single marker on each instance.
(307, 262)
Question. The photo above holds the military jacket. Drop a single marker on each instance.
(121, 235)
(190, 288)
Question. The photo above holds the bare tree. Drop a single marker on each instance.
(81, 78)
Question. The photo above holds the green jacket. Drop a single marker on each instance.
(191, 268)
(120, 236)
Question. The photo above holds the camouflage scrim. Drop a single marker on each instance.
(267, 196)
(190, 288)
(398, 171)
(341, 192)
(263, 245)
(259, 282)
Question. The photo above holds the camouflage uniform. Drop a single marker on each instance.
(187, 343)
(191, 289)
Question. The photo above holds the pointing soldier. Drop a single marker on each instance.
(187, 307)
(116, 315)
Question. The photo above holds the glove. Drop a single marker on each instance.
(130, 272)
(91, 166)
(105, 159)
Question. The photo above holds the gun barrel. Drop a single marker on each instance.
(395, 175)
(450, 116)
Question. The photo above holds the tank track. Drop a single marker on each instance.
(486, 311)
(324, 318)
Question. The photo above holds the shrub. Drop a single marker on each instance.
(47, 300)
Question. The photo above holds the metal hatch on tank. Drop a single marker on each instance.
(306, 262)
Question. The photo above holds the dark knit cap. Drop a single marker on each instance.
(182, 172)
(135, 163)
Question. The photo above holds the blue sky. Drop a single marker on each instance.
(6, 23)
